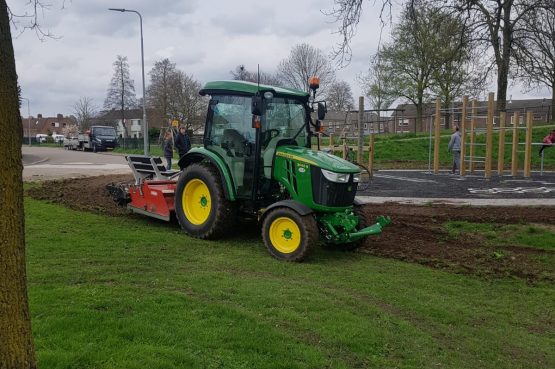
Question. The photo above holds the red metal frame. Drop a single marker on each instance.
(153, 198)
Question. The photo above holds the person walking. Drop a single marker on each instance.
(548, 141)
(455, 148)
(168, 149)
(182, 142)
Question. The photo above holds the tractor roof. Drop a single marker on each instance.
(249, 89)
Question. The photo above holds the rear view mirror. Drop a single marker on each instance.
(321, 111)
(256, 105)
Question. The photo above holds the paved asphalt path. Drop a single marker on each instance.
(52, 162)
(404, 186)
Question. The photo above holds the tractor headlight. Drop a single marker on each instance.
(336, 177)
(356, 177)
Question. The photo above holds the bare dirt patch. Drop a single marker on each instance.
(416, 235)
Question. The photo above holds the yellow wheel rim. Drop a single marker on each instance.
(196, 201)
(285, 235)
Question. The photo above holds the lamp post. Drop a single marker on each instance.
(28, 119)
(145, 124)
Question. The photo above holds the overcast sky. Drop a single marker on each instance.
(205, 38)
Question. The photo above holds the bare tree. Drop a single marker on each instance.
(121, 93)
(340, 97)
(374, 84)
(535, 52)
(16, 348)
(85, 110)
(303, 62)
(186, 105)
(494, 23)
(242, 74)
(159, 91)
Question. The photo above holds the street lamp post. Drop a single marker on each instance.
(145, 123)
(28, 119)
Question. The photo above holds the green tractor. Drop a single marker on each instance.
(256, 162)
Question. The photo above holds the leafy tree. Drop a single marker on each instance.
(16, 342)
(121, 93)
(535, 52)
(303, 62)
(340, 97)
(412, 56)
(242, 74)
(84, 110)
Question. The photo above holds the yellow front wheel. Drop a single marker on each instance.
(289, 235)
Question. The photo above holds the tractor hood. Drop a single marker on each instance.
(317, 158)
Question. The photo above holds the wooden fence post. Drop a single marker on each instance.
(437, 135)
(514, 156)
(501, 151)
(371, 155)
(463, 135)
(528, 145)
(473, 135)
(360, 128)
(489, 136)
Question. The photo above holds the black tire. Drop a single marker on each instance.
(94, 149)
(308, 238)
(219, 212)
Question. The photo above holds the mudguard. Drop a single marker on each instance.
(197, 155)
(297, 206)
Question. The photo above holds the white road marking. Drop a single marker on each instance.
(79, 166)
(417, 180)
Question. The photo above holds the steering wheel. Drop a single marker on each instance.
(271, 133)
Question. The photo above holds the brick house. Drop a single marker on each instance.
(47, 125)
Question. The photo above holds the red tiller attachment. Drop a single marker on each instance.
(153, 198)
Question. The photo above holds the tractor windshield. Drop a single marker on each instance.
(286, 118)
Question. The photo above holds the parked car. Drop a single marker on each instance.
(41, 138)
(58, 138)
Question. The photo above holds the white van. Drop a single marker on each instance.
(58, 138)
(41, 138)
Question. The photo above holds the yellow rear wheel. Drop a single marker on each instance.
(196, 201)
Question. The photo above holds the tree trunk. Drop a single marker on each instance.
(16, 344)
(504, 61)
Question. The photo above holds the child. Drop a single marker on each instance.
(548, 141)
(168, 149)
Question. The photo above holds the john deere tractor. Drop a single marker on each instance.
(257, 162)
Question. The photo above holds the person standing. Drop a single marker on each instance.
(455, 148)
(168, 149)
(182, 142)
(548, 141)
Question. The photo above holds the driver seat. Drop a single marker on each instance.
(233, 142)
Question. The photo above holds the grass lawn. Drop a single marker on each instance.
(136, 293)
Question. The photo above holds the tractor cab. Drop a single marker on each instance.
(247, 142)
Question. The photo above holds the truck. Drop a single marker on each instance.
(98, 138)
(71, 143)
(257, 164)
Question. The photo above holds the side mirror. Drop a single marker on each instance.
(256, 105)
(321, 111)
